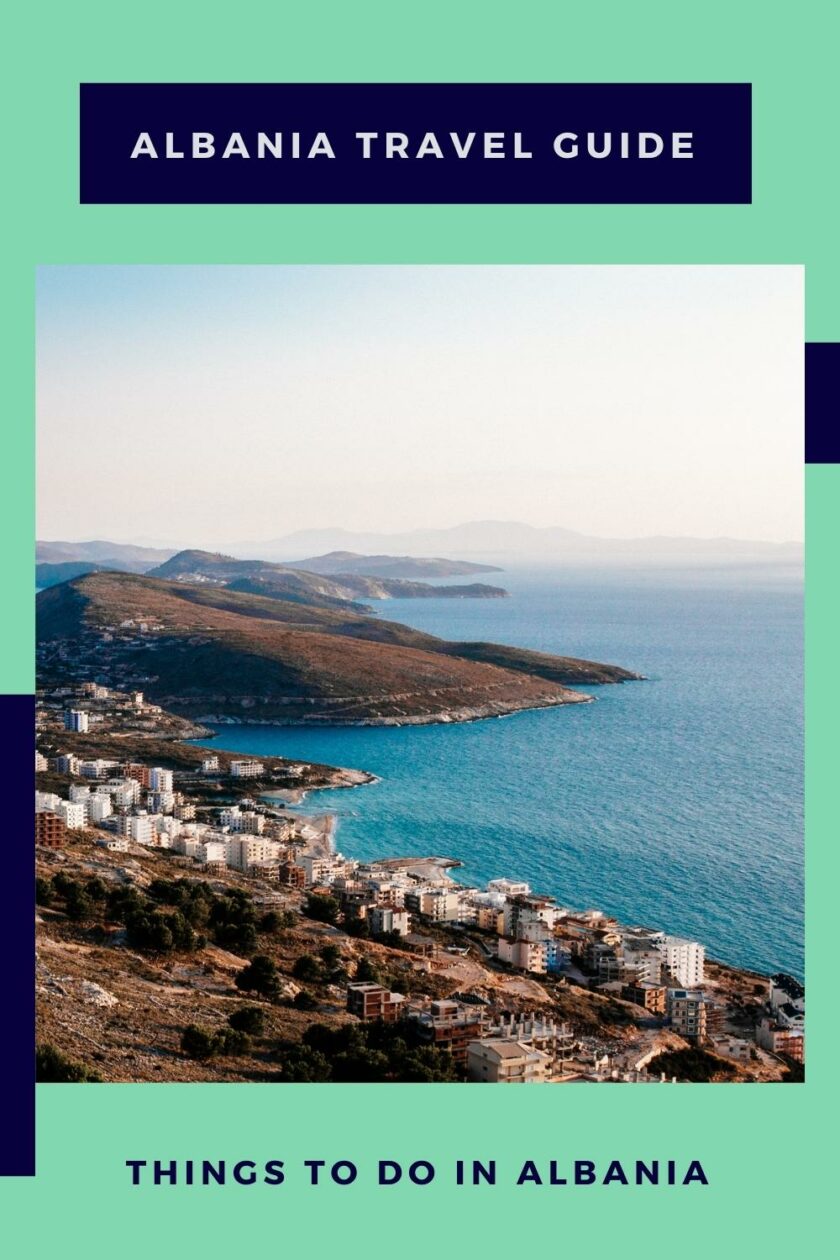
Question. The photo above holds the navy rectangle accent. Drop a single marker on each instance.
(822, 402)
(17, 944)
(113, 116)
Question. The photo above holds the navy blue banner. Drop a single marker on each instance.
(822, 402)
(411, 143)
(17, 944)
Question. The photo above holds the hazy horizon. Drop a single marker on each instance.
(220, 406)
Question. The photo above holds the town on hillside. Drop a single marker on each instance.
(193, 926)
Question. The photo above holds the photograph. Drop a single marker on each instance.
(420, 674)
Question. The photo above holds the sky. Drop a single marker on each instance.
(204, 405)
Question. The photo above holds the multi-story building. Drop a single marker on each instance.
(73, 814)
(136, 770)
(41, 762)
(389, 919)
(441, 905)
(526, 909)
(97, 768)
(291, 875)
(685, 960)
(504, 1062)
(653, 997)
(213, 851)
(247, 851)
(449, 1026)
(247, 769)
(125, 792)
(99, 807)
(141, 828)
(210, 765)
(161, 780)
(490, 919)
(50, 830)
(509, 887)
(778, 1039)
(47, 801)
(76, 720)
(67, 763)
(687, 1010)
(371, 1001)
(526, 955)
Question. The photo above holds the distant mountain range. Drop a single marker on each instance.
(107, 555)
(504, 543)
(474, 547)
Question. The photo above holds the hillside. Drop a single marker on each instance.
(352, 562)
(205, 651)
(260, 577)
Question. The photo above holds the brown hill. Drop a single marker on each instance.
(212, 652)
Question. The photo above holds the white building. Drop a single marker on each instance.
(76, 720)
(509, 887)
(210, 765)
(162, 802)
(213, 851)
(389, 919)
(47, 802)
(684, 959)
(247, 769)
(114, 844)
(96, 769)
(40, 762)
(99, 807)
(141, 828)
(125, 792)
(73, 814)
(160, 780)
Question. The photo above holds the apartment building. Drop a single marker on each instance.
(687, 1010)
(371, 1001)
(247, 769)
(50, 830)
(505, 1062)
(389, 919)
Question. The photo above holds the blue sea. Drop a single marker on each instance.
(676, 802)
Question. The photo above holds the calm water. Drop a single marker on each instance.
(675, 802)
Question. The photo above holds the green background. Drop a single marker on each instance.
(767, 1151)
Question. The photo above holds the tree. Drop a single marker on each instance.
(304, 1001)
(55, 1068)
(198, 1042)
(357, 927)
(78, 904)
(260, 976)
(330, 957)
(231, 1041)
(248, 1019)
(366, 972)
(43, 892)
(306, 968)
(323, 909)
